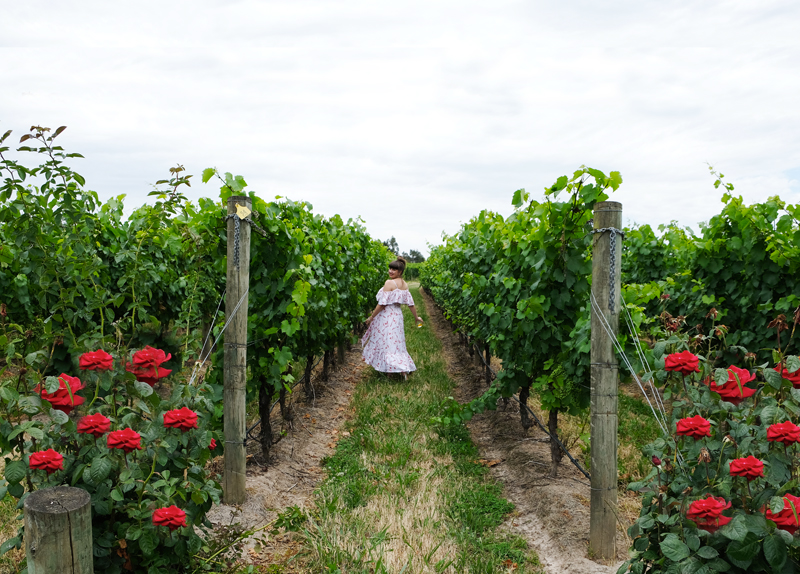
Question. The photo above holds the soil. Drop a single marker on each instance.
(294, 467)
(552, 514)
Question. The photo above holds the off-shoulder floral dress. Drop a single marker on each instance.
(384, 343)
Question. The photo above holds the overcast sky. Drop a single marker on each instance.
(416, 115)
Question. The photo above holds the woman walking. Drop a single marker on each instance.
(384, 343)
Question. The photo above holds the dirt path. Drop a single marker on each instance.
(294, 466)
(551, 514)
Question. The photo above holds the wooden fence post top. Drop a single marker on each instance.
(607, 206)
(57, 500)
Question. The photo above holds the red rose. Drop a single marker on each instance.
(787, 433)
(61, 399)
(734, 390)
(684, 363)
(707, 512)
(695, 427)
(146, 364)
(793, 377)
(48, 460)
(96, 361)
(183, 419)
(126, 439)
(171, 516)
(212, 445)
(95, 424)
(788, 518)
(749, 467)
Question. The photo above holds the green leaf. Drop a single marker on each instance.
(59, 417)
(117, 495)
(15, 471)
(736, 529)
(9, 544)
(776, 504)
(208, 173)
(673, 548)
(773, 378)
(100, 469)
(8, 394)
(51, 384)
(693, 542)
(744, 550)
(720, 376)
(775, 551)
(707, 552)
(520, 197)
(143, 389)
(792, 363)
(148, 542)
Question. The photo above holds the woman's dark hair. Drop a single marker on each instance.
(399, 264)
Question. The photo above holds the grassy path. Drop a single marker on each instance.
(404, 495)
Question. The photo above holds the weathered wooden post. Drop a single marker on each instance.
(235, 372)
(606, 262)
(58, 531)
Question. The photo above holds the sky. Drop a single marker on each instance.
(416, 115)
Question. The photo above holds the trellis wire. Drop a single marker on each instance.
(225, 326)
(248, 437)
(621, 352)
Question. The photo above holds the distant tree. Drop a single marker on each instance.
(414, 256)
(391, 245)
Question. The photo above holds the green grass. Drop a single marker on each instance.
(403, 494)
(10, 562)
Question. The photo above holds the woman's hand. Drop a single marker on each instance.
(369, 320)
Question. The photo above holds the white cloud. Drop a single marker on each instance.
(416, 115)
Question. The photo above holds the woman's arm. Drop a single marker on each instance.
(378, 309)
(413, 309)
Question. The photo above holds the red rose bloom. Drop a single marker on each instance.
(787, 519)
(95, 424)
(171, 516)
(212, 445)
(183, 419)
(61, 399)
(684, 363)
(145, 365)
(793, 377)
(734, 390)
(707, 512)
(48, 460)
(96, 361)
(695, 427)
(749, 467)
(787, 433)
(125, 439)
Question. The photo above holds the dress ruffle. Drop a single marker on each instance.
(396, 297)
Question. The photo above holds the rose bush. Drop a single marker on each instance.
(724, 498)
(139, 472)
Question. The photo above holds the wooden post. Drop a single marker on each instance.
(58, 531)
(604, 380)
(235, 394)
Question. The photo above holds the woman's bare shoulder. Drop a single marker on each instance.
(389, 285)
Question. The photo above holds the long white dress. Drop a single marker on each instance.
(384, 343)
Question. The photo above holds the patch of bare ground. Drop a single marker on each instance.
(551, 514)
(294, 467)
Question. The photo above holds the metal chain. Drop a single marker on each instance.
(612, 261)
(236, 227)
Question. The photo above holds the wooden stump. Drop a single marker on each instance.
(58, 531)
